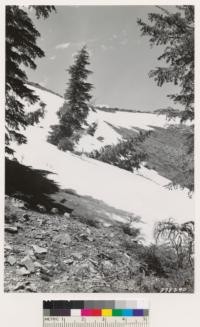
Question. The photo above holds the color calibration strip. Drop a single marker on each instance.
(96, 308)
(96, 313)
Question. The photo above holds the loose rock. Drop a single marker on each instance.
(46, 271)
(30, 253)
(66, 215)
(77, 255)
(41, 208)
(54, 210)
(63, 238)
(106, 224)
(28, 263)
(45, 277)
(107, 267)
(38, 250)
(26, 216)
(11, 260)
(19, 286)
(37, 265)
(19, 203)
(68, 261)
(31, 288)
(23, 271)
(11, 229)
(7, 247)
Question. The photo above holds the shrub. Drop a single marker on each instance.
(92, 129)
(180, 237)
(66, 144)
(127, 154)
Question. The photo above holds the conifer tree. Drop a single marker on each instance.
(21, 50)
(73, 114)
(174, 31)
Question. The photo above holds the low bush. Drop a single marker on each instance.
(127, 154)
(66, 144)
(92, 129)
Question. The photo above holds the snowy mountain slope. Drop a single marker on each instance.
(141, 193)
(119, 120)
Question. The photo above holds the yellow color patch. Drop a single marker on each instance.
(106, 312)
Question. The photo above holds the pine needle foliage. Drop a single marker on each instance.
(73, 114)
(21, 51)
(174, 31)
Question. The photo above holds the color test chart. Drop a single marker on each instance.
(96, 313)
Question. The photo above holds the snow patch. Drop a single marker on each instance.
(142, 193)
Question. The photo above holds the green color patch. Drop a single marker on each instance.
(117, 312)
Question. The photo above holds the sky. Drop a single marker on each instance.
(120, 57)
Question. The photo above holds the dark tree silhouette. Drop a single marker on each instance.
(72, 115)
(21, 50)
(174, 31)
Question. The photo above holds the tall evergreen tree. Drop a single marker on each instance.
(72, 115)
(174, 31)
(21, 50)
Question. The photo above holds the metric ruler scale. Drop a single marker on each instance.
(95, 322)
(96, 313)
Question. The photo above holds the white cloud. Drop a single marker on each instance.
(62, 45)
(52, 58)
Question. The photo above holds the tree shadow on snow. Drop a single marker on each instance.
(31, 185)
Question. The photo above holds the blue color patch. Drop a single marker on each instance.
(127, 312)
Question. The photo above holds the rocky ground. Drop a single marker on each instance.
(75, 248)
(54, 252)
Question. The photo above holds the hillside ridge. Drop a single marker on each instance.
(96, 107)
